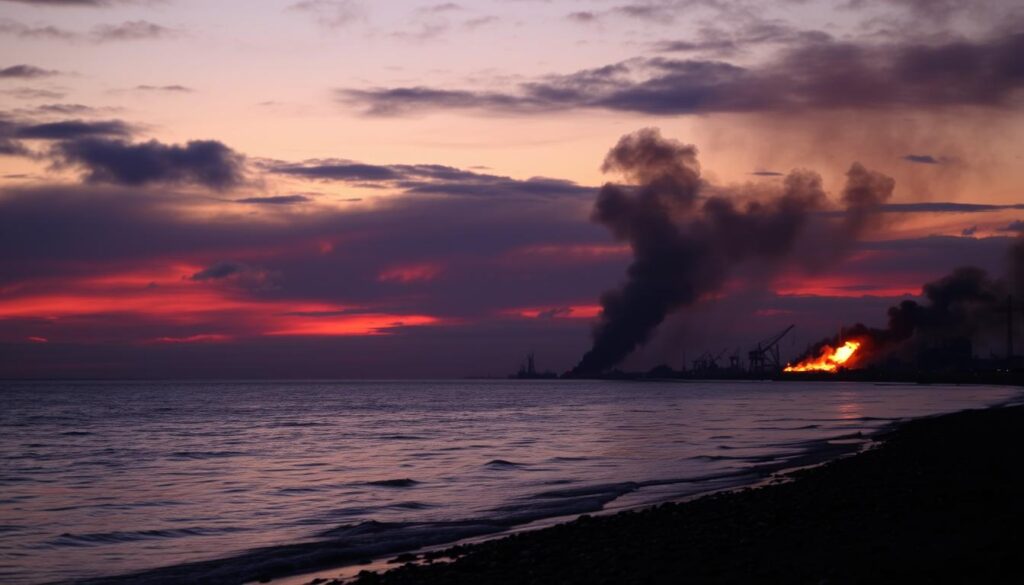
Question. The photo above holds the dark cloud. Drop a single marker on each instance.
(583, 16)
(330, 13)
(276, 200)
(72, 129)
(218, 271)
(938, 207)
(61, 2)
(239, 274)
(337, 171)
(24, 72)
(767, 174)
(125, 31)
(443, 7)
(13, 131)
(65, 109)
(399, 100)
(133, 30)
(969, 232)
(13, 27)
(924, 159)
(10, 147)
(79, 2)
(84, 3)
(918, 12)
(686, 245)
(201, 162)
(81, 230)
(423, 31)
(428, 179)
(29, 93)
(721, 41)
(168, 88)
(544, 95)
(496, 186)
(819, 75)
(481, 21)
(652, 12)
(1014, 226)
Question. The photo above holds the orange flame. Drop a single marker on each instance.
(829, 360)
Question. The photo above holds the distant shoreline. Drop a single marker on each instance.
(994, 378)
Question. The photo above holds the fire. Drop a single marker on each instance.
(829, 360)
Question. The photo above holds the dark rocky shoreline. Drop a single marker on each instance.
(940, 500)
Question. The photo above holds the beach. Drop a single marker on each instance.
(938, 500)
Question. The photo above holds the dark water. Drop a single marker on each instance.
(108, 478)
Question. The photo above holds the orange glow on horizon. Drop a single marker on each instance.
(830, 359)
(852, 286)
(364, 324)
(556, 312)
(168, 297)
(201, 338)
(178, 304)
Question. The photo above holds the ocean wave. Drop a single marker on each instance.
(394, 483)
(503, 464)
(117, 537)
(206, 454)
(564, 459)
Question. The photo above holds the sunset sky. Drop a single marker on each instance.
(347, 188)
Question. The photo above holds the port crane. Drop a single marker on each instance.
(765, 357)
(708, 361)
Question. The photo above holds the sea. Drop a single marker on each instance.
(110, 478)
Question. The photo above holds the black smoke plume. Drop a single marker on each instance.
(686, 244)
(957, 308)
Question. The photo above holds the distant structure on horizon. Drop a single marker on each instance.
(528, 370)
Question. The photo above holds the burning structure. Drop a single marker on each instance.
(829, 359)
(935, 334)
(688, 238)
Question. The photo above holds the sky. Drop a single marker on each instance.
(405, 189)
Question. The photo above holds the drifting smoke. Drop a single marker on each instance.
(956, 309)
(685, 244)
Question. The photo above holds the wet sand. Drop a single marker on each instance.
(939, 500)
